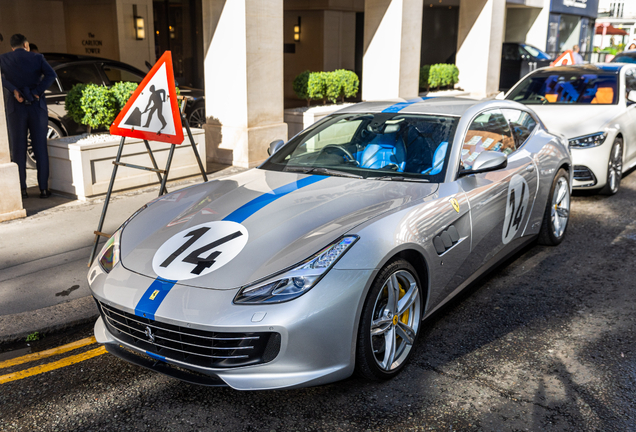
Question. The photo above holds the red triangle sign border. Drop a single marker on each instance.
(177, 138)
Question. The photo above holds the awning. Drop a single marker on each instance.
(610, 30)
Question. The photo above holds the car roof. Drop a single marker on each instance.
(448, 106)
(583, 68)
(58, 59)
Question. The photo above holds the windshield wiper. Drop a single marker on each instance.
(400, 178)
(320, 170)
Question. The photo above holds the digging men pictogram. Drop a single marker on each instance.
(157, 98)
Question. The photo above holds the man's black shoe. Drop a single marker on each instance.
(24, 193)
(45, 193)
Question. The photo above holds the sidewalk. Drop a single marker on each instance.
(44, 257)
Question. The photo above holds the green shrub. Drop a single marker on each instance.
(73, 104)
(424, 71)
(317, 86)
(122, 92)
(339, 84)
(301, 86)
(97, 106)
(350, 83)
(443, 75)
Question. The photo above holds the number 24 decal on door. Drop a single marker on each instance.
(199, 250)
(516, 207)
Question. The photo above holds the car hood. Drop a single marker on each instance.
(576, 120)
(286, 218)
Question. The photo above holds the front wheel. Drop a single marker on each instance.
(614, 168)
(557, 212)
(390, 322)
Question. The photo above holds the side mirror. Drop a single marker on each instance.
(487, 161)
(631, 96)
(274, 146)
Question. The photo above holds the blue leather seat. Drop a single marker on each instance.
(438, 160)
(384, 149)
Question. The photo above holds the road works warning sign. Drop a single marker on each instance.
(567, 58)
(152, 112)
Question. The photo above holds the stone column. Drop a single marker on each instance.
(528, 23)
(243, 49)
(480, 36)
(392, 42)
(10, 196)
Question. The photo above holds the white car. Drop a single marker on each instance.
(594, 106)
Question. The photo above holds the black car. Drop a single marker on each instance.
(77, 69)
(517, 60)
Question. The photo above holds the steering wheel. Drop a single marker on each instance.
(541, 99)
(345, 153)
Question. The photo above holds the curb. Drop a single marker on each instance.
(17, 327)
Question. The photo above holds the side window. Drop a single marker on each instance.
(521, 124)
(489, 131)
(78, 74)
(116, 74)
(54, 88)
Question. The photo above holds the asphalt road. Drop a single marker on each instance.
(546, 343)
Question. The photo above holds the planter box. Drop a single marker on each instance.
(81, 165)
(298, 119)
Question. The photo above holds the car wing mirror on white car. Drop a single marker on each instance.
(487, 161)
(631, 96)
(274, 146)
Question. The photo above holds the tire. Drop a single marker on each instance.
(614, 168)
(197, 116)
(53, 132)
(380, 327)
(557, 211)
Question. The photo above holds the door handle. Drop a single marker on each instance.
(530, 168)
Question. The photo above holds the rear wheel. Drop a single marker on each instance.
(197, 117)
(557, 212)
(614, 168)
(390, 322)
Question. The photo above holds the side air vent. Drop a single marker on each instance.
(446, 239)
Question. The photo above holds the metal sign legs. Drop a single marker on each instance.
(162, 175)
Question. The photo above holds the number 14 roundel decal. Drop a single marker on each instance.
(516, 207)
(199, 250)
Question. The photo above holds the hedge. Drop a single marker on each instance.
(97, 106)
(424, 71)
(339, 84)
(443, 75)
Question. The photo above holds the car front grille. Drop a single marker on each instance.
(196, 347)
(583, 174)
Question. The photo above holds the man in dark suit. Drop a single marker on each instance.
(25, 77)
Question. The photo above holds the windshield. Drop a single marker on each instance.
(535, 52)
(387, 146)
(566, 88)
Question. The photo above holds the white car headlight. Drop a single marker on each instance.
(292, 283)
(585, 141)
(109, 256)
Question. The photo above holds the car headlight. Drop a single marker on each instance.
(592, 140)
(292, 283)
(109, 256)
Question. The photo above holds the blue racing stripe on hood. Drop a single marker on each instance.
(152, 298)
(247, 210)
(159, 289)
(401, 105)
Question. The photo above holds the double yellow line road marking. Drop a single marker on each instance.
(50, 366)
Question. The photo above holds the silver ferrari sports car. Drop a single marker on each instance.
(594, 106)
(327, 258)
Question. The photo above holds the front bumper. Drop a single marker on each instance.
(316, 332)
